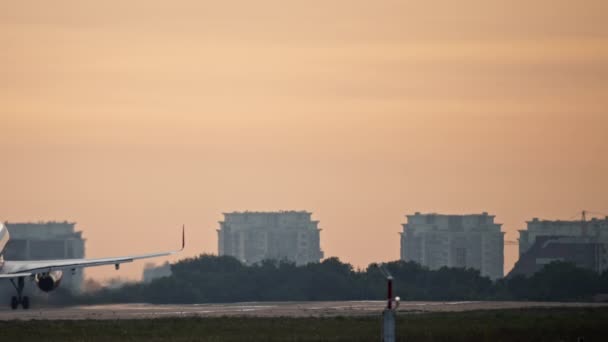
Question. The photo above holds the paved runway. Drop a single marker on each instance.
(262, 309)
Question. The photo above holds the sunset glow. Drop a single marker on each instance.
(133, 117)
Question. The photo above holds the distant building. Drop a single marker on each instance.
(583, 243)
(466, 241)
(152, 271)
(47, 241)
(593, 229)
(254, 236)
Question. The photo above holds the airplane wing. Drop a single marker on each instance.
(15, 269)
(14, 275)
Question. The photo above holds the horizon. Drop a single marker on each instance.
(155, 262)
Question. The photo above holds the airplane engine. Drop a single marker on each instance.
(48, 281)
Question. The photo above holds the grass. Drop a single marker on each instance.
(499, 325)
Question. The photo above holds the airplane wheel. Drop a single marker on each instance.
(25, 302)
(14, 303)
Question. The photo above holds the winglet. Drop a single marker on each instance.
(183, 237)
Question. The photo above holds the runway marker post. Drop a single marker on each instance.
(389, 313)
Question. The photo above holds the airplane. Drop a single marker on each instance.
(47, 274)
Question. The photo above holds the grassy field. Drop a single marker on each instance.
(500, 325)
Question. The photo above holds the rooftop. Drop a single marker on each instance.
(268, 212)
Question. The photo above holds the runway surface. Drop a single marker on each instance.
(262, 309)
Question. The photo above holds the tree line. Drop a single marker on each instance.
(214, 279)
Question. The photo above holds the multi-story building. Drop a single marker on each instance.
(583, 243)
(464, 241)
(595, 228)
(255, 236)
(47, 241)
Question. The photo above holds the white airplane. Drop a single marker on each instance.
(47, 274)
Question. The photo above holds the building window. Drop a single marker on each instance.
(461, 257)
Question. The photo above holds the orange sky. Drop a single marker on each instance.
(133, 117)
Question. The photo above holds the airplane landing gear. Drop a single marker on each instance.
(19, 299)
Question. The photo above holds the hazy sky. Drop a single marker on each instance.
(133, 117)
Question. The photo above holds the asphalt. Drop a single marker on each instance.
(262, 309)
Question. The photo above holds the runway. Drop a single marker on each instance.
(263, 309)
